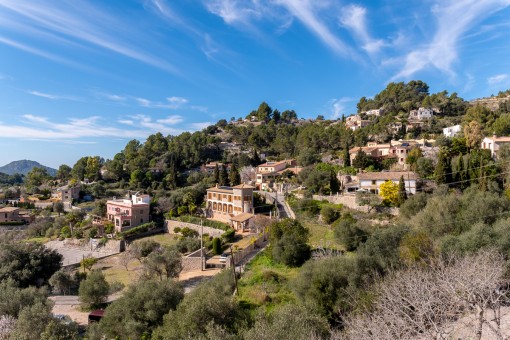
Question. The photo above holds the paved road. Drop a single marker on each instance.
(283, 207)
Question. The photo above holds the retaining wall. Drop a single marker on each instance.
(171, 225)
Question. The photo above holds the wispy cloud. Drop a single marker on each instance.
(50, 96)
(338, 107)
(171, 103)
(305, 11)
(79, 20)
(497, 79)
(354, 19)
(237, 13)
(200, 126)
(74, 129)
(454, 19)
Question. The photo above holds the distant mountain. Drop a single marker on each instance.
(23, 167)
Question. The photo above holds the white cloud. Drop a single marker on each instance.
(171, 120)
(83, 23)
(177, 100)
(354, 19)
(497, 79)
(200, 126)
(231, 11)
(143, 102)
(37, 127)
(454, 19)
(339, 107)
(44, 95)
(36, 119)
(172, 103)
(305, 11)
(115, 97)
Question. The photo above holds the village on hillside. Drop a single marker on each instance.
(261, 212)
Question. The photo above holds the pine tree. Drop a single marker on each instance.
(223, 175)
(234, 176)
(402, 194)
(216, 174)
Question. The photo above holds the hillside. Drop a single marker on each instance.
(23, 167)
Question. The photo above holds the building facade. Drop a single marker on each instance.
(371, 181)
(451, 131)
(128, 213)
(494, 143)
(224, 202)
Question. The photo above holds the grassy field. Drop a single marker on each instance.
(164, 239)
(115, 271)
(38, 239)
(265, 283)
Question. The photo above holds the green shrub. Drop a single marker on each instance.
(216, 244)
(229, 235)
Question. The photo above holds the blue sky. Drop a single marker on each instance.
(82, 78)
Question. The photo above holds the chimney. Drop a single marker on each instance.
(217, 186)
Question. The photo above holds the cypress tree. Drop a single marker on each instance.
(255, 159)
(234, 176)
(223, 175)
(443, 169)
(402, 194)
(347, 157)
(216, 174)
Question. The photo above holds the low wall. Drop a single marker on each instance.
(193, 261)
(350, 202)
(111, 246)
(171, 225)
(240, 255)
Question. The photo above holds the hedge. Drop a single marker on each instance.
(205, 222)
(138, 230)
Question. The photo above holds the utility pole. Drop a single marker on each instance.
(232, 262)
(201, 244)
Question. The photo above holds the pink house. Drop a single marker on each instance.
(128, 213)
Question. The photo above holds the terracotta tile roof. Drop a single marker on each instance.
(388, 175)
(242, 217)
(8, 209)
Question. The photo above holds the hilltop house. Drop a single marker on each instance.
(127, 213)
(451, 131)
(421, 114)
(374, 112)
(233, 205)
(355, 122)
(267, 172)
(494, 143)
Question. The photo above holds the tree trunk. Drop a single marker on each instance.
(479, 322)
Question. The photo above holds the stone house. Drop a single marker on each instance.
(223, 203)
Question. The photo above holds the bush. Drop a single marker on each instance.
(289, 242)
(216, 244)
(188, 232)
(329, 214)
(139, 230)
(229, 235)
(348, 233)
(188, 244)
(94, 290)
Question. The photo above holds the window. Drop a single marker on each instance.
(141, 220)
(374, 182)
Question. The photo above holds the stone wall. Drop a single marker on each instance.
(240, 255)
(193, 261)
(349, 201)
(171, 225)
